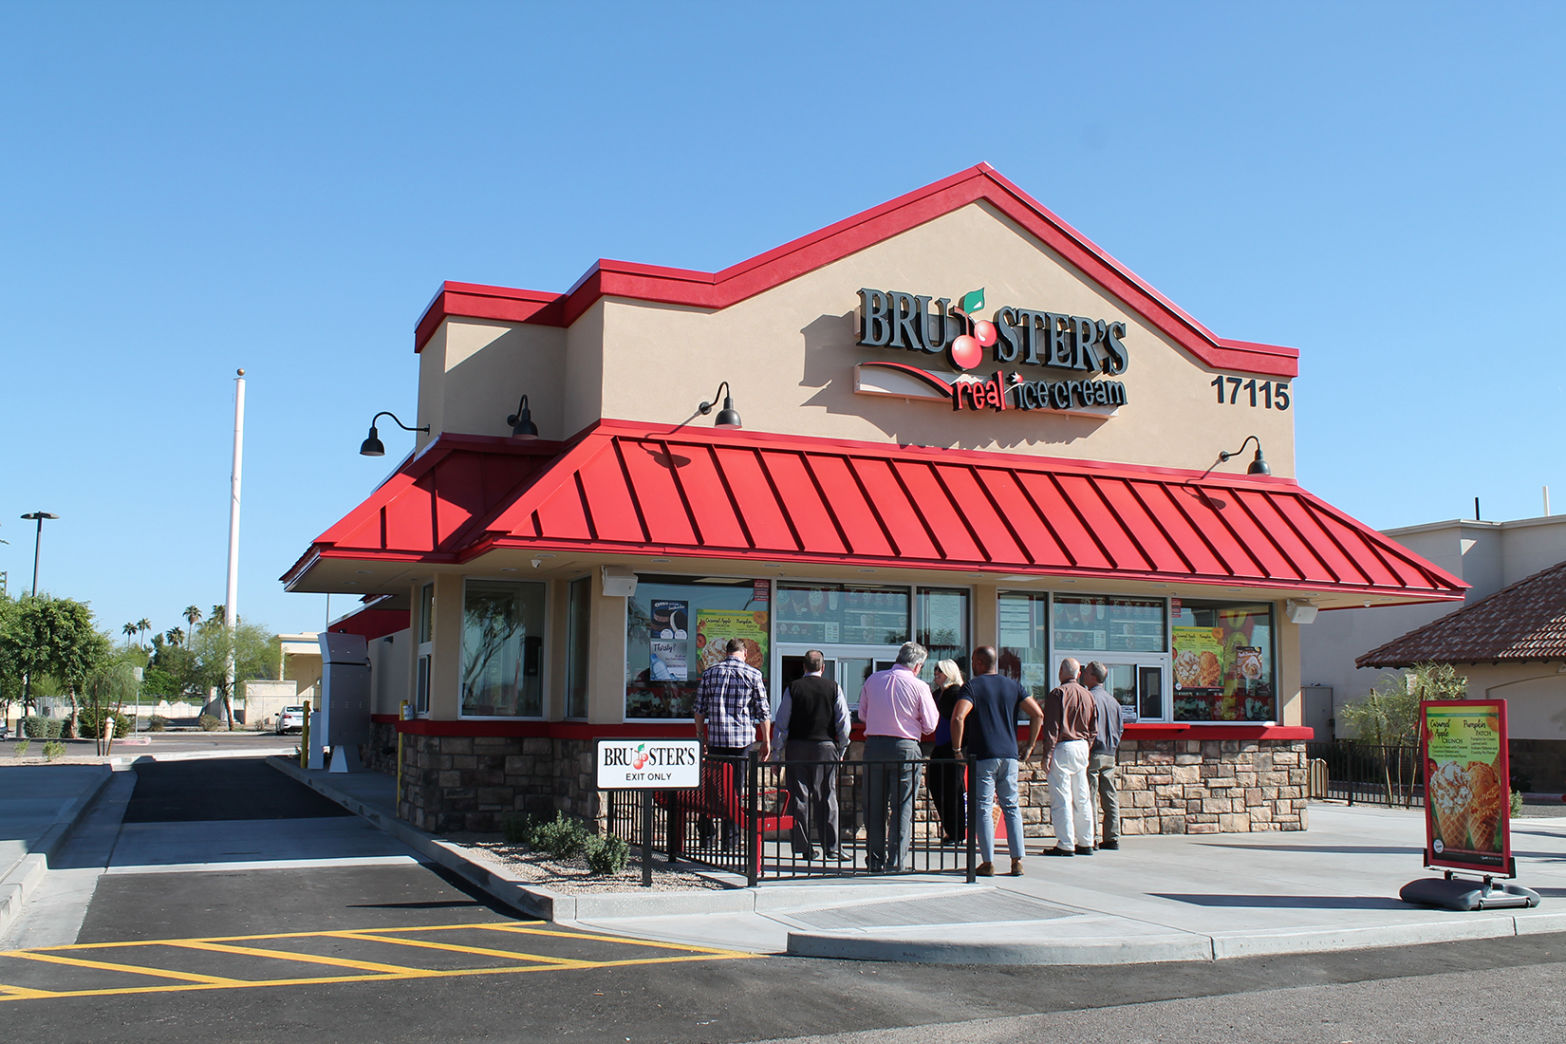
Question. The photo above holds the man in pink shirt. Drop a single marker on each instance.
(896, 708)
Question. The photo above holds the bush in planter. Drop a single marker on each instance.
(606, 855)
(19, 748)
(559, 837)
(53, 749)
(208, 723)
(157, 723)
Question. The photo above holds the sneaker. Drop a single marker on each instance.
(1060, 852)
(1084, 850)
(985, 870)
(1016, 868)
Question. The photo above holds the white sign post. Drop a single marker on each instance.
(648, 765)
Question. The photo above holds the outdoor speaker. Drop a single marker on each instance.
(1300, 612)
(618, 582)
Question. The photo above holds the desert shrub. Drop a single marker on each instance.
(53, 749)
(36, 726)
(559, 837)
(19, 748)
(605, 854)
(515, 827)
(90, 722)
(157, 723)
(208, 723)
(1517, 804)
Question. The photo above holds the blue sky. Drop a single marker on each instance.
(193, 187)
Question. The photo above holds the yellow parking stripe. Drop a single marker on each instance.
(133, 969)
(356, 970)
(453, 948)
(307, 958)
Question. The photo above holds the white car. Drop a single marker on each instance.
(290, 719)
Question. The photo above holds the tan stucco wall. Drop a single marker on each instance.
(1535, 695)
(446, 658)
(606, 657)
(789, 356)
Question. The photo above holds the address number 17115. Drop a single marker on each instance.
(1269, 395)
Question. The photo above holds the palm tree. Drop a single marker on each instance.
(128, 630)
(192, 616)
(174, 635)
(219, 614)
(144, 625)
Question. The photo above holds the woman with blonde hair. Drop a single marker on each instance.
(945, 778)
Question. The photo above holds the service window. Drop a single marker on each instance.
(677, 626)
(1224, 667)
(1024, 657)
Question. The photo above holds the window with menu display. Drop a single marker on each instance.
(1223, 662)
(677, 626)
(1098, 623)
(942, 626)
(842, 614)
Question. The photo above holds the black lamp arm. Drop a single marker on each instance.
(728, 399)
(1235, 453)
(400, 424)
(522, 411)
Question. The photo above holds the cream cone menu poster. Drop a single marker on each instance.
(1467, 792)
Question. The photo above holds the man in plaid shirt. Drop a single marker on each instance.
(732, 715)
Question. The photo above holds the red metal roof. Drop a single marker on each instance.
(622, 488)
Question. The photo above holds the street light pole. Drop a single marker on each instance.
(37, 516)
(33, 516)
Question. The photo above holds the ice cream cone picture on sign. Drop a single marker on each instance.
(1467, 796)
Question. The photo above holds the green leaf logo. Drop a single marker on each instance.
(973, 301)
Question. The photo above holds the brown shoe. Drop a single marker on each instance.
(985, 870)
(1016, 868)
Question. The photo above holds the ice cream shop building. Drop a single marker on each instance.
(951, 418)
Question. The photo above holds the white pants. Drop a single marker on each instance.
(1070, 804)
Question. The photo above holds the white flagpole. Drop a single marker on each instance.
(231, 602)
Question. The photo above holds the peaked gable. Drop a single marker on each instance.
(716, 290)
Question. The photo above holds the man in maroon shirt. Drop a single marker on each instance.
(1070, 723)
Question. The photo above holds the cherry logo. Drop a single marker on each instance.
(967, 349)
(640, 757)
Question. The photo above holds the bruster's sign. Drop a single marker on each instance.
(1021, 337)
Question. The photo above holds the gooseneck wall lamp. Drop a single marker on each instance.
(522, 426)
(1258, 464)
(371, 446)
(728, 417)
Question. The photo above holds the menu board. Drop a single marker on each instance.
(1219, 675)
(668, 640)
(714, 628)
(1467, 785)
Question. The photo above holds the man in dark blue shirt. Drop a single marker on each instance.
(984, 724)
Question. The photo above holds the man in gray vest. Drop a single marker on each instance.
(812, 734)
(1104, 753)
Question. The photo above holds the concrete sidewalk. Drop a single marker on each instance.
(1165, 898)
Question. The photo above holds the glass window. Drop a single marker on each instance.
(942, 614)
(421, 695)
(578, 619)
(677, 626)
(1098, 623)
(842, 614)
(1023, 657)
(1223, 662)
(502, 649)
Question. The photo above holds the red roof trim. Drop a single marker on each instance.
(713, 291)
(641, 490)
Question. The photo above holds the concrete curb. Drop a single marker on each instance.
(22, 877)
(1151, 949)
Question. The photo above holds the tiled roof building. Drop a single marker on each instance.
(1526, 621)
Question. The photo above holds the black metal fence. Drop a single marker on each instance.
(748, 818)
(1370, 774)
